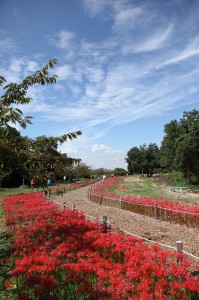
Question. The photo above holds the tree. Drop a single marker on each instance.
(81, 170)
(180, 146)
(119, 172)
(151, 159)
(168, 147)
(45, 161)
(187, 146)
(15, 94)
(135, 160)
(143, 160)
(12, 154)
(99, 172)
(21, 154)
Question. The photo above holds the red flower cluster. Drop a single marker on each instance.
(58, 254)
(74, 185)
(173, 211)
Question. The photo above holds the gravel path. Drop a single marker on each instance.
(143, 226)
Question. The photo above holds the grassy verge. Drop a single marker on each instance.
(146, 187)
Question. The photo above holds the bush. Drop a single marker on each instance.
(176, 178)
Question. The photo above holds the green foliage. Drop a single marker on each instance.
(179, 151)
(82, 171)
(21, 156)
(143, 160)
(16, 94)
(176, 178)
(119, 172)
(180, 146)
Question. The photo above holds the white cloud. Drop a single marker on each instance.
(125, 18)
(62, 39)
(154, 41)
(191, 50)
(100, 148)
(32, 66)
(96, 7)
(65, 38)
(7, 45)
(106, 149)
(63, 72)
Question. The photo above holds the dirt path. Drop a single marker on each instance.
(155, 230)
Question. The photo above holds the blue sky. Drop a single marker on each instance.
(126, 68)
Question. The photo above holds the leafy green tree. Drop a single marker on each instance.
(151, 159)
(187, 146)
(12, 154)
(143, 160)
(45, 161)
(168, 146)
(99, 172)
(16, 94)
(21, 155)
(81, 170)
(180, 146)
(119, 172)
(135, 160)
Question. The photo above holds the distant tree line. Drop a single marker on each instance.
(179, 150)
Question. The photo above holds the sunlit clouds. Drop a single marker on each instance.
(118, 62)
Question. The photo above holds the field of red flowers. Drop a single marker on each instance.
(69, 187)
(58, 254)
(108, 193)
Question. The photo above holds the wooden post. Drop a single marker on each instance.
(179, 259)
(155, 210)
(105, 224)
(121, 202)
(101, 199)
(179, 250)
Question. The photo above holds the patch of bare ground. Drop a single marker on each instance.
(143, 226)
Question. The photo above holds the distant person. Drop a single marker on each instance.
(49, 182)
(32, 183)
(104, 177)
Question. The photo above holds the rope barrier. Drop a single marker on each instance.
(137, 236)
(151, 241)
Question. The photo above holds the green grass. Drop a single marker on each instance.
(20, 190)
(146, 187)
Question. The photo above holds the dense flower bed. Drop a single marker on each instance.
(173, 211)
(58, 254)
(73, 185)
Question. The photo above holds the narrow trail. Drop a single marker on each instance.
(143, 226)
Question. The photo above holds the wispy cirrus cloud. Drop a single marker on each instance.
(156, 40)
(62, 39)
(139, 70)
(192, 49)
(7, 44)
